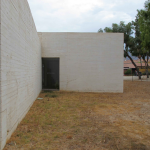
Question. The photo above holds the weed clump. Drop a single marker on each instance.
(51, 95)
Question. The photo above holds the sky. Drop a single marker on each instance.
(82, 15)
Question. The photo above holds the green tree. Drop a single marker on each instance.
(129, 42)
(100, 30)
(144, 24)
(136, 48)
(107, 29)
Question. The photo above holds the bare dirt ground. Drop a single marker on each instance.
(87, 121)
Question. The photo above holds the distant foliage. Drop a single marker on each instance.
(144, 73)
(128, 72)
(100, 30)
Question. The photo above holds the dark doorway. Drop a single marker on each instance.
(50, 73)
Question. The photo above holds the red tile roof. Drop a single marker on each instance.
(129, 66)
(128, 63)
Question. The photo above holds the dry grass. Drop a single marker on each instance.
(87, 121)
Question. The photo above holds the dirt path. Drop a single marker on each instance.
(87, 121)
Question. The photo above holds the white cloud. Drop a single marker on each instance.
(81, 15)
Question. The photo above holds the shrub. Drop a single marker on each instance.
(128, 72)
(51, 95)
(144, 73)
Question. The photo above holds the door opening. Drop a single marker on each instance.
(50, 73)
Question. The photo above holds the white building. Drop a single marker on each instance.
(84, 62)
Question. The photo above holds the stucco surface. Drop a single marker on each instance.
(89, 62)
(0, 77)
(20, 68)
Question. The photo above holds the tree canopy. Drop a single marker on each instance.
(144, 23)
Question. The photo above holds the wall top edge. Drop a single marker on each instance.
(77, 33)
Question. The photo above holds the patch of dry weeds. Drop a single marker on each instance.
(87, 121)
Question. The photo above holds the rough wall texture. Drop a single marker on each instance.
(20, 67)
(89, 62)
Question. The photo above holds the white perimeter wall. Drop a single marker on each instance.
(89, 62)
(20, 68)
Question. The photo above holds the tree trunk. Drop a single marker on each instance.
(133, 64)
(145, 62)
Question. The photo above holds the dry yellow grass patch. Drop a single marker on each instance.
(87, 121)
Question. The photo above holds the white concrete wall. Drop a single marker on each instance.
(89, 62)
(0, 78)
(20, 68)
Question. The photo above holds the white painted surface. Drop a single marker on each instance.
(89, 62)
(20, 69)
(0, 82)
